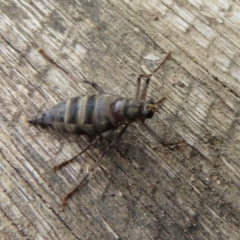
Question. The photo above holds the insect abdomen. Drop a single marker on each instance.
(56, 114)
(80, 115)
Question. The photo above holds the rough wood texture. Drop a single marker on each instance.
(141, 191)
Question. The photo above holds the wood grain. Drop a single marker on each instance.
(142, 190)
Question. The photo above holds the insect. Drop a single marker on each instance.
(99, 115)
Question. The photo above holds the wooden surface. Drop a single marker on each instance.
(142, 190)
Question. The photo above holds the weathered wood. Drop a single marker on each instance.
(141, 191)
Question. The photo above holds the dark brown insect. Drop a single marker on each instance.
(99, 115)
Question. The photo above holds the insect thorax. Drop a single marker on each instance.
(130, 110)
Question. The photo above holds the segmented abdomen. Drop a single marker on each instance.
(81, 115)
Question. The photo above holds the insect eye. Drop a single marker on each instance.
(148, 114)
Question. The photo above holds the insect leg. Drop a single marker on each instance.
(97, 163)
(158, 138)
(95, 86)
(63, 164)
(138, 85)
(143, 94)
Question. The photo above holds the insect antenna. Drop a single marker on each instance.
(157, 105)
(163, 61)
(143, 94)
(160, 101)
